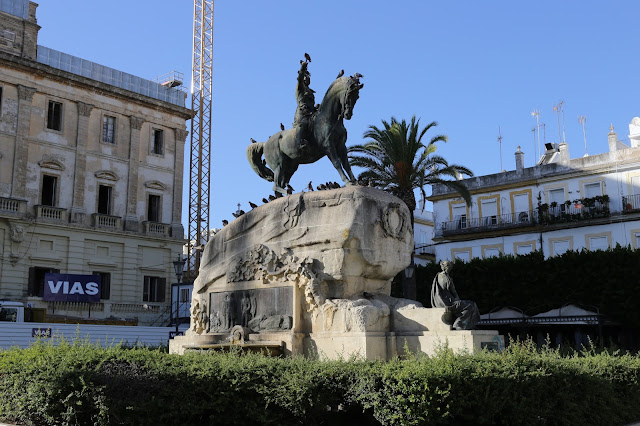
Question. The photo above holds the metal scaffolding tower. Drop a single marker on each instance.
(199, 182)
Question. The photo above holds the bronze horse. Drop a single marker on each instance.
(283, 152)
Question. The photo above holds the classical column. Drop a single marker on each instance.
(21, 152)
(78, 211)
(177, 230)
(132, 222)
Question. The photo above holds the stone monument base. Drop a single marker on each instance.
(310, 274)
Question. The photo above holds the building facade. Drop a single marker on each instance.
(91, 177)
(561, 204)
(423, 227)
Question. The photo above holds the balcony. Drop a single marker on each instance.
(12, 206)
(104, 221)
(425, 249)
(631, 204)
(545, 214)
(505, 221)
(578, 210)
(51, 214)
(156, 229)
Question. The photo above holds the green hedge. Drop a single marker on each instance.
(608, 280)
(84, 384)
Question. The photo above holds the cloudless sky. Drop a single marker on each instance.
(472, 66)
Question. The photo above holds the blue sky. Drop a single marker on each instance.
(471, 66)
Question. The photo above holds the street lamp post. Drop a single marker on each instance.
(178, 266)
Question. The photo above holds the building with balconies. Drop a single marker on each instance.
(424, 251)
(91, 176)
(560, 204)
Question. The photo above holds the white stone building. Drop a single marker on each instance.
(91, 169)
(561, 204)
(423, 235)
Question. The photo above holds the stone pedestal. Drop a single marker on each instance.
(311, 273)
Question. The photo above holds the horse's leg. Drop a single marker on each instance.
(342, 153)
(278, 179)
(335, 160)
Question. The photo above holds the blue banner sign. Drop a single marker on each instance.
(41, 332)
(72, 288)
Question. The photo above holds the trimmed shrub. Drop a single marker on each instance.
(79, 383)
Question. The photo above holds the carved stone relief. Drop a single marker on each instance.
(25, 93)
(107, 175)
(395, 221)
(261, 263)
(199, 316)
(136, 122)
(52, 162)
(255, 309)
(181, 134)
(84, 110)
(17, 232)
(154, 184)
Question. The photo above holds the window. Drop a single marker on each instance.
(104, 199)
(489, 211)
(460, 215)
(49, 188)
(592, 190)
(153, 212)
(54, 116)
(185, 295)
(464, 255)
(491, 252)
(36, 280)
(524, 249)
(557, 196)
(8, 314)
(598, 243)
(560, 247)
(157, 146)
(153, 290)
(521, 205)
(108, 129)
(105, 284)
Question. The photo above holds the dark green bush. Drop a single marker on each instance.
(77, 383)
(607, 280)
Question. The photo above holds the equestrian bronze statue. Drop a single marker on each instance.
(318, 130)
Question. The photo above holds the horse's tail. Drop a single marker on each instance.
(254, 155)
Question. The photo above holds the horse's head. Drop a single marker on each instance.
(351, 95)
(343, 94)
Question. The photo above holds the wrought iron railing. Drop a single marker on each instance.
(631, 203)
(425, 249)
(509, 220)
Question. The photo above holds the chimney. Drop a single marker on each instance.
(519, 160)
(613, 139)
(563, 149)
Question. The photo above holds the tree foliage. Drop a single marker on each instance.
(397, 159)
(607, 280)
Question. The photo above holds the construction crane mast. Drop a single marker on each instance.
(199, 173)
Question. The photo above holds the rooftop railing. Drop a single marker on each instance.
(588, 208)
(465, 225)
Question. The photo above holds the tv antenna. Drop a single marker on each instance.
(534, 144)
(536, 114)
(559, 109)
(500, 142)
(582, 120)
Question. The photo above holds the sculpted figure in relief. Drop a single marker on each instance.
(444, 295)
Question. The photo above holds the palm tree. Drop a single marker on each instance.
(396, 159)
